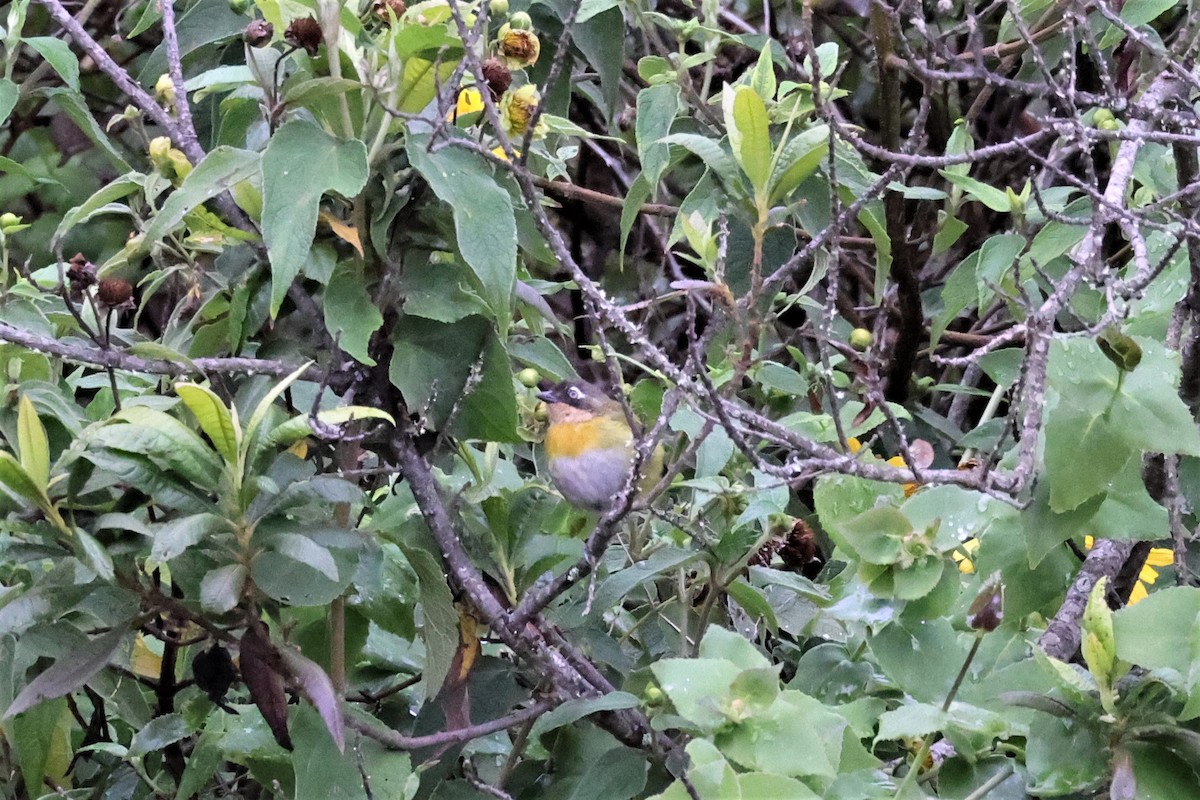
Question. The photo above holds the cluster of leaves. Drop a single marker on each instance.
(912, 297)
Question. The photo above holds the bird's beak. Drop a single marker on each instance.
(548, 396)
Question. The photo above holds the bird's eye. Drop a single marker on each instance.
(575, 393)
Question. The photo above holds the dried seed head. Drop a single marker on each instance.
(81, 272)
(304, 33)
(519, 48)
(381, 8)
(115, 292)
(498, 76)
(517, 109)
(258, 33)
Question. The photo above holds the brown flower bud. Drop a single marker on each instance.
(114, 292)
(381, 8)
(304, 33)
(519, 48)
(498, 76)
(81, 272)
(258, 33)
(987, 609)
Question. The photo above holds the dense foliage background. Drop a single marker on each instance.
(910, 292)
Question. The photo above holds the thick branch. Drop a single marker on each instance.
(397, 741)
(126, 362)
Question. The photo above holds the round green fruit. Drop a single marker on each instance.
(860, 339)
(529, 377)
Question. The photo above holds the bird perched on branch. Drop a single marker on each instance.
(590, 446)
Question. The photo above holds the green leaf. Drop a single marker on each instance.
(40, 737)
(590, 8)
(217, 173)
(304, 550)
(9, 94)
(1084, 451)
(762, 77)
(73, 106)
(264, 405)
(754, 602)
(58, 54)
(1089, 437)
(174, 537)
(484, 222)
(93, 554)
(115, 190)
(750, 136)
(14, 476)
(70, 672)
(990, 196)
(1160, 631)
(440, 631)
(996, 257)
(874, 535)
(801, 156)
(294, 582)
(33, 445)
(733, 647)
(922, 657)
(420, 80)
(168, 443)
(222, 588)
(158, 733)
(656, 109)
(292, 191)
(431, 365)
(911, 720)
(696, 687)
(798, 736)
(713, 156)
(350, 315)
(297, 428)
(218, 422)
(575, 710)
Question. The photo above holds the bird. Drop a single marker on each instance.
(590, 446)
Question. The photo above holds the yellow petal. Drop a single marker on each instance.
(1148, 575)
(1138, 594)
(1160, 557)
(962, 556)
(854, 444)
(470, 100)
(1088, 541)
(896, 461)
(347, 233)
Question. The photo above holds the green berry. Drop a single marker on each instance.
(9, 219)
(860, 339)
(519, 21)
(498, 8)
(529, 377)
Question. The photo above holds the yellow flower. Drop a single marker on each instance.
(895, 461)
(517, 109)
(964, 556)
(1158, 557)
(499, 153)
(470, 101)
(519, 48)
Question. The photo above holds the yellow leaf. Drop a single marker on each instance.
(347, 233)
(144, 661)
